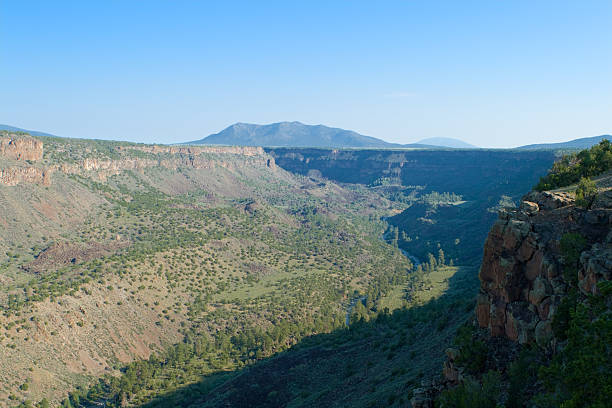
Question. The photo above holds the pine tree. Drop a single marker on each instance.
(432, 262)
(441, 259)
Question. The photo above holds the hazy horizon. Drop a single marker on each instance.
(110, 138)
(490, 74)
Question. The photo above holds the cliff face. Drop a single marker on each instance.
(537, 258)
(522, 279)
(482, 177)
(12, 176)
(196, 150)
(20, 147)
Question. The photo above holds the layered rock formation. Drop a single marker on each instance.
(193, 150)
(13, 176)
(20, 147)
(23, 147)
(522, 280)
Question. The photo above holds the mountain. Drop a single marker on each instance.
(582, 143)
(291, 134)
(297, 134)
(32, 132)
(446, 142)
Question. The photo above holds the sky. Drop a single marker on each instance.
(492, 73)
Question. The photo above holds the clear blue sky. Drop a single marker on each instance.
(493, 73)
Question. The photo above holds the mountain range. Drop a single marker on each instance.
(297, 134)
(32, 132)
(582, 143)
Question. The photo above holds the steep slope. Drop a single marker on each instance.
(114, 253)
(543, 328)
(290, 134)
(523, 280)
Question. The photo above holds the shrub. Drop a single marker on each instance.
(586, 193)
(471, 394)
(472, 352)
(571, 168)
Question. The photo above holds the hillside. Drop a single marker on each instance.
(577, 144)
(31, 132)
(540, 336)
(145, 275)
(113, 253)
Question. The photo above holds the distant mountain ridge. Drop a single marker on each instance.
(297, 134)
(291, 134)
(447, 142)
(32, 132)
(582, 143)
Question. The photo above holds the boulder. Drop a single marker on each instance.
(529, 207)
(527, 249)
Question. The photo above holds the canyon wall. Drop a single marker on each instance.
(17, 148)
(20, 147)
(522, 274)
(538, 257)
(11, 176)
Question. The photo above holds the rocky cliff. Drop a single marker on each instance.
(541, 260)
(11, 176)
(17, 148)
(20, 147)
(484, 178)
(522, 279)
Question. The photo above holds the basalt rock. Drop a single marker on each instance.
(524, 278)
(522, 283)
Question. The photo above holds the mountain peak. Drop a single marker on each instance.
(291, 134)
(446, 142)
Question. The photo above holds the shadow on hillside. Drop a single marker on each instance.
(371, 363)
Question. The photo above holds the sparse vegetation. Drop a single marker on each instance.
(571, 168)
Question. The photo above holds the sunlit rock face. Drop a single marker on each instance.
(20, 147)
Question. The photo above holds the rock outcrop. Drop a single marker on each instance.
(522, 280)
(13, 176)
(524, 277)
(20, 147)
